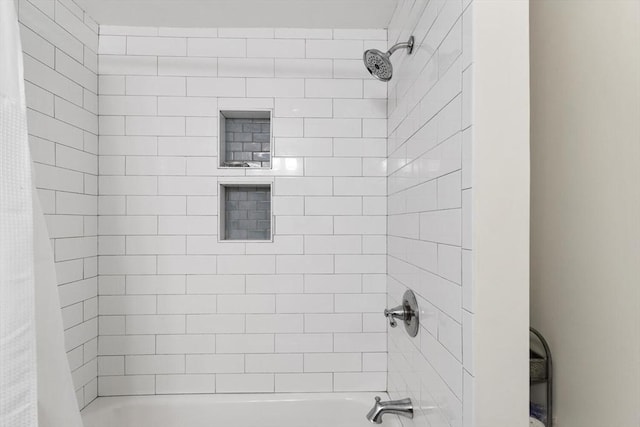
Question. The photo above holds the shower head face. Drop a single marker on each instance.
(379, 64)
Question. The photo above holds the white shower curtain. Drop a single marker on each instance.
(18, 397)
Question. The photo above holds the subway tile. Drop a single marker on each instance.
(245, 343)
(332, 283)
(154, 364)
(110, 305)
(360, 381)
(274, 323)
(192, 186)
(303, 343)
(287, 264)
(155, 86)
(111, 85)
(333, 205)
(213, 47)
(334, 49)
(333, 166)
(128, 65)
(360, 342)
(155, 46)
(214, 363)
(307, 68)
(246, 304)
(244, 383)
(333, 244)
(274, 284)
(112, 45)
(128, 145)
(152, 285)
(368, 224)
(130, 264)
(307, 147)
(126, 385)
(128, 105)
(185, 384)
(300, 107)
(215, 324)
(187, 304)
(153, 324)
(156, 126)
(215, 284)
(303, 33)
(374, 362)
(40, 23)
(268, 363)
(121, 345)
(247, 264)
(333, 88)
(187, 264)
(187, 106)
(307, 382)
(245, 67)
(275, 48)
(333, 362)
(185, 344)
(304, 303)
(304, 225)
(187, 67)
(156, 205)
(213, 86)
(360, 108)
(278, 88)
(187, 225)
(333, 322)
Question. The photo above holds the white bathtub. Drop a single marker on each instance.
(235, 410)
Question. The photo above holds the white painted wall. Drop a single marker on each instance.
(500, 329)
(585, 248)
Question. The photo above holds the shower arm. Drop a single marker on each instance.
(405, 45)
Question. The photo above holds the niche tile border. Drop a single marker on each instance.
(251, 142)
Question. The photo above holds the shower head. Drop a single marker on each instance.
(379, 63)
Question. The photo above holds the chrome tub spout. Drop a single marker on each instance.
(402, 407)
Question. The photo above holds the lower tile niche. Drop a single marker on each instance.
(247, 212)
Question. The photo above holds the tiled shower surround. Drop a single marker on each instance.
(182, 311)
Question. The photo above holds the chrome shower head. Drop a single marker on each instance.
(379, 63)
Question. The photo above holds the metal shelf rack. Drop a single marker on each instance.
(541, 372)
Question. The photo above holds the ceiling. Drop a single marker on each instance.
(243, 13)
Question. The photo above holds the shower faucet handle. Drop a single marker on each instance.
(408, 312)
(398, 312)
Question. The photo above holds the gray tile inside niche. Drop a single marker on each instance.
(247, 213)
(248, 140)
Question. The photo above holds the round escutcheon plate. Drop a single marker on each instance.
(412, 319)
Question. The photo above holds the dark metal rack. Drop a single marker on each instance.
(541, 372)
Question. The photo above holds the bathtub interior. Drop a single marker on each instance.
(235, 410)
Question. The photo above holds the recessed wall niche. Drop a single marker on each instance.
(245, 139)
(245, 212)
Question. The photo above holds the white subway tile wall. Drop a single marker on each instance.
(60, 45)
(429, 197)
(181, 311)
